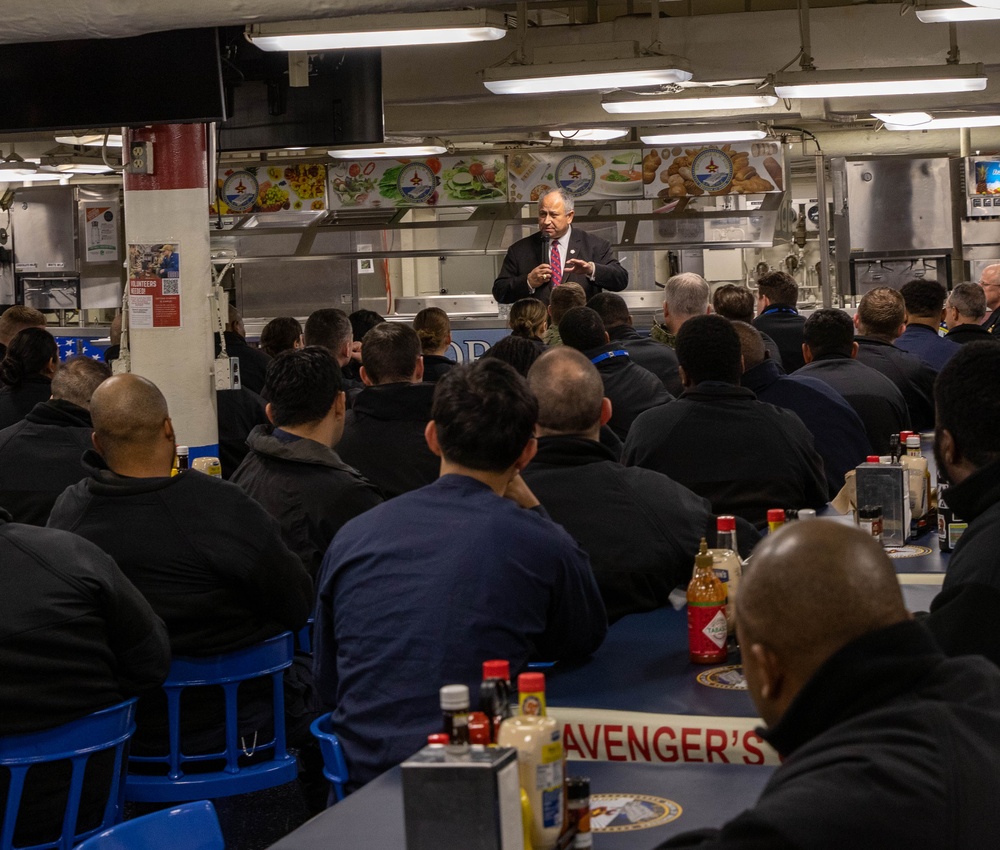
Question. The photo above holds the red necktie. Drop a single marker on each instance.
(556, 264)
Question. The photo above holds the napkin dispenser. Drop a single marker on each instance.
(886, 485)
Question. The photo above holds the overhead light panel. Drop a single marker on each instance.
(700, 135)
(956, 14)
(957, 123)
(586, 75)
(388, 151)
(903, 119)
(379, 31)
(590, 134)
(870, 82)
(986, 4)
(13, 167)
(630, 103)
(95, 140)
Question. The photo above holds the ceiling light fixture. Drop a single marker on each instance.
(95, 140)
(986, 4)
(902, 119)
(379, 31)
(14, 166)
(590, 134)
(586, 75)
(956, 123)
(630, 102)
(956, 14)
(388, 150)
(700, 135)
(869, 82)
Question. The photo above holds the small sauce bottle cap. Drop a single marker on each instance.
(496, 668)
(455, 697)
(726, 523)
(529, 682)
(776, 515)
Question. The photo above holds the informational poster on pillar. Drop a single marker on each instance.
(154, 285)
(101, 232)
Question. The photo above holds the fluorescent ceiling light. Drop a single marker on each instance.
(391, 151)
(13, 167)
(903, 119)
(591, 134)
(38, 176)
(986, 4)
(632, 72)
(947, 123)
(953, 14)
(923, 79)
(621, 103)
(379, 31)
(697, 135)
(80, 167)
(95, 140)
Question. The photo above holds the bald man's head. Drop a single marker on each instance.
(569, 390)
(811, 589)
(132, 428)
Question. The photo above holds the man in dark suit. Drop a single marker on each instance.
(556, 254)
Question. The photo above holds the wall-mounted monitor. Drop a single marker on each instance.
(160, 78)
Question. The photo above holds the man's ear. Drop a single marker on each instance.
(854, 350)
(857, 322)
(365, 377)
(946, 446)
(807, 354)
(772, 681)
(685, 382)
(269, 410)
(527, 453)
(430, 435)
(97, 443)
(607, 337)
(418, 373)
(168, 429)
(339, 406)
(606, 410)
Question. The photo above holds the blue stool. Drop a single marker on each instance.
(76, 742)
(304, 636)
(190, 826)
(269, 658)
(334, 766)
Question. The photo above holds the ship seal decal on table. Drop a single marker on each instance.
(907, 551)
(627, 812)
(729, 678)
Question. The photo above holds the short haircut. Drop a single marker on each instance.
(280, 334)
(569, 202)
(128, 412)
(515, 351)
(751, 344)
(363, 321)
(27, 354)
(967, 400)
(330, 328)
(779, 287)
(569, 390)
(234, 316)
(389, 353)
(581, 328)
(527, 317)
(708, 349)
(970, 301)
(611, 308)
(302, 385)
(484, 415)
(686, 294)
(433, 327)
(924, 298)
(565, 297)
(734, 302)
(881, 312)
(829, 331)
(77, 378)
(17, 318)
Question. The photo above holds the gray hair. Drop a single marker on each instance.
(76, 380)
(569, 202)
(969, 299)
(687, 294)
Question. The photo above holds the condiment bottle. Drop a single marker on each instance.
(950, 527)
(913, 450)
(706, 599)
(775, 519)
(806, 513)
(726, 562)
(455, 710)
(182, 460)
(578, 811)
(870, 520)
(538, 741)
(480, 730)
(531, 694)
(495, 693)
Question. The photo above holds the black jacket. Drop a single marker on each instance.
(527, 253)
(631, 388)
(17, 403)
(658, 358)
(890, 745)
(238, 413)
(742, 455)
(964, 615)
(306, 487)
(971, 333)
(784, 325)
(838, 431)
(992, 320)
(253, 361)
(436, 367)
(40, 456)
(75, 637)
(640, 529)
(384, 437)
(912, 377)
(876, 399)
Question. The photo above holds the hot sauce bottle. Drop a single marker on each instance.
(706, 601)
